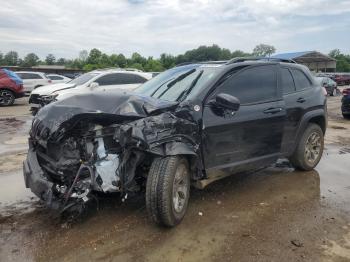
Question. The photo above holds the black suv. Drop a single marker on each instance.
(190, 125)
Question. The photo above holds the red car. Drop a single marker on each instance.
(11, 87)
(342, 79)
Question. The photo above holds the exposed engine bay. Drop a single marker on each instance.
(104, 143)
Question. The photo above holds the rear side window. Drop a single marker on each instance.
(287, 81)
(139, 79)
(301, 80)
(55, 77)
(253, 85)
(120, 79)
(29, 76)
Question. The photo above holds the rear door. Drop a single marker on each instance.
(253, 135)
(297, 93)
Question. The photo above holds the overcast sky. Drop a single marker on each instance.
(152, 27)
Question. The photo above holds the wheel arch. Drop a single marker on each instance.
(8, 89)
(316, 117)
(177, 148)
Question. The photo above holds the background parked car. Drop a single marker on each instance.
(32, 80)
(11, 87)
(58, 78)
(328, 84)
(342, 79)
(94, 81)
(345, 106)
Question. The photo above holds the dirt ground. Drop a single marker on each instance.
(277, 214)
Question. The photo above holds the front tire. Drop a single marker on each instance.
(7, 98)
(168, 190)
(309, 149)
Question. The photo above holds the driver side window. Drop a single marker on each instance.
(252, 85)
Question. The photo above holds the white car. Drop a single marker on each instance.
(32, 80)
(94, 81)
(56, 79)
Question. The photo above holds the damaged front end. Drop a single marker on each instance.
(103, 143)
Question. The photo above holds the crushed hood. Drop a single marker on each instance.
(103, 107)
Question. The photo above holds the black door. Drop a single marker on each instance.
(253, 134)
(298, 92)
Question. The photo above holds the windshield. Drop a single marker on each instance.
(83, 79)
(178, 84)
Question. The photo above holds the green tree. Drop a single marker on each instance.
(153, 65)
(1, 59)
(104, 61)
(11, 58)
(343, 65)
(167, 61)
(136, 66)
(343, 61)
(225, 54)
(136, 58)
(61, 61)
(121, 60)
(334, 53)
(264, 50)
(94, 56)
(239, 53)
(50, 59)
(30, 59)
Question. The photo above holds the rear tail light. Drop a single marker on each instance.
(49, 81)
(346, 91)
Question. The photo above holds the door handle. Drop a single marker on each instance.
(273, 110)
(301, 100)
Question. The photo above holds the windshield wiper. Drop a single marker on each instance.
(179, 78)
(188, 90)
(155, 91)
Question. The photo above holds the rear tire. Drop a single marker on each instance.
(309, 149)
(168, 190)
(7, 97)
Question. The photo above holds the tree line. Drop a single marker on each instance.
(95, 59)
(343, 60)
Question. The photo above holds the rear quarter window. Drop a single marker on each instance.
(301, 80)
(287, 81)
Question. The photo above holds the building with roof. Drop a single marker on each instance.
(316, 61)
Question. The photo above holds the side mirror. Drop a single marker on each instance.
(93, 85)
(227, 101)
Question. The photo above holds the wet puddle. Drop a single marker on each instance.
(14, 134)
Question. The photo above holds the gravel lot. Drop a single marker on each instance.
(277, 214)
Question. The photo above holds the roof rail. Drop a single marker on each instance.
(272, 59)
(203, 62)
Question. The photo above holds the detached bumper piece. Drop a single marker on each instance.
(35, 180)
